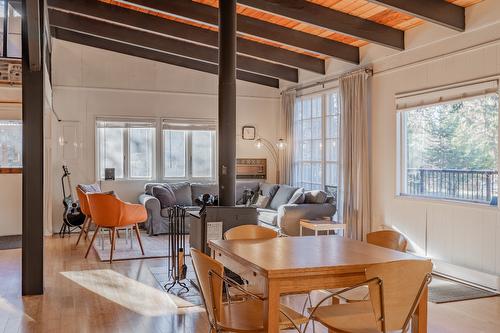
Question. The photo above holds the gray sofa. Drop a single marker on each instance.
(278, 214)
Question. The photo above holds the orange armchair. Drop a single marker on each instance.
(84, 206)
(108, 211)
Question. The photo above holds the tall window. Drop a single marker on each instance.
(11, 144)
(450, 150)
(316, 141)
(127, 146)
(189, 149)
(10, 28)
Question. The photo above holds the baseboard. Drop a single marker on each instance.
(471, 276)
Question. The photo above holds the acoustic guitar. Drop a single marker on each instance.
(72, 216)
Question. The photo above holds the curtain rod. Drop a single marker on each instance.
(368, 71)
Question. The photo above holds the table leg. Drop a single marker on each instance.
(419, 322)
(271, 306)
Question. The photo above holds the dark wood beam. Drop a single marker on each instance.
(321, 16)
(247, 25)
(227, 103)
(436, 11)
(171, 59)
(33, 139)
(165, 44)
(185, 31)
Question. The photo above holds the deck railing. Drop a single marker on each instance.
(466, 185)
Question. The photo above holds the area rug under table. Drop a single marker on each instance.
(154, 247)
(191, 296)
(443, 290)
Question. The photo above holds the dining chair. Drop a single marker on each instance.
(84, 206)
(244, 316)
(395, 292)
(250, 231)
(390, 239)
(110, 212)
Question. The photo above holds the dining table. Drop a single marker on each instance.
(287, 265)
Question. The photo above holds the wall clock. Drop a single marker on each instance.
(248, 133)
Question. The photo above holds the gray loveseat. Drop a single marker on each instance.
(279, 213)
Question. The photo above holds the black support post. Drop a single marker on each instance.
(227, 102)
(32, 198)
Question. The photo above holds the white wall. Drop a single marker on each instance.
(89, 82)
(466, 235)
(11, 184)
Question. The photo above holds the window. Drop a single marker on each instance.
(10, 28)
(450, 150)
(189, 148)
(126, 146)
(11, 144)
(316, 141)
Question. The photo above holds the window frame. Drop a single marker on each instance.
(13, 169)
(126, 147)
(188, 150)
(325, 104)
(402, 152)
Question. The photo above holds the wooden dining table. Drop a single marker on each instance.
(302, 264)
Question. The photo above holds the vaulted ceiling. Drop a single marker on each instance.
(275, 37)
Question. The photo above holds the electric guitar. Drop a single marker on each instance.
(73, 216)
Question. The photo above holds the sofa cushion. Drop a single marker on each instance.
(268, 216)
(148, 188)
(298, 197)
(315, 197)
(197, 190)
(182, 192)
(282, 196)
(262, 201)
(165, 195)
(268, 190)
(90, 188)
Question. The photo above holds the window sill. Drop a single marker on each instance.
(11, 170)
(442, 201)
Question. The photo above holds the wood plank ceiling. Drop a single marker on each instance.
(275, 37)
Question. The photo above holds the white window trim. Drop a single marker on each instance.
(324, 107)
(126, 147)
(477, 90)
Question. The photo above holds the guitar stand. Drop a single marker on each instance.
(67, 229)
(177, 244)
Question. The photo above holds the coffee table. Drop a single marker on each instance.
(322, 225)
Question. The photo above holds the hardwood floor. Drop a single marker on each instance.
(75, 300)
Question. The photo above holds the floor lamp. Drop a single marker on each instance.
(273, 150)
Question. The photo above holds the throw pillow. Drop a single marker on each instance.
(165, 195)
(182, 192)
(90, 188)
(315, 197)
(298, 197)
(262, 201)
(268, 190)
(282, 196)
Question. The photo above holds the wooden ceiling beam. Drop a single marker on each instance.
(188, 32)
(250, 26)
(144, 39)
(436, 11)
(321, 16)
(136, 51)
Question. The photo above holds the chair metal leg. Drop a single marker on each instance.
(113, 234)
(92, 241)
(138, 234)
(82, 231)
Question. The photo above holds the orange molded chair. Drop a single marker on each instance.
(108, 211)
(390, 239)
(84, 206)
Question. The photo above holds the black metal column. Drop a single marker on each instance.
(227, 102)
(32, 198)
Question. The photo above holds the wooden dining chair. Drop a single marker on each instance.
(395, 291)
(243, 316)
(250, 231)
(110, 212)
(390, 239)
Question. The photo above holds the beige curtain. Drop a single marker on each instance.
(287, 110)
(355, 169)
